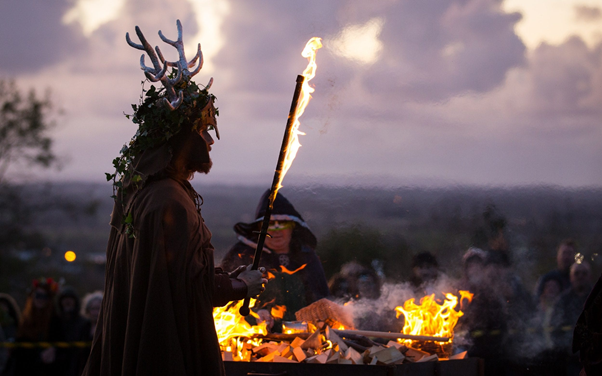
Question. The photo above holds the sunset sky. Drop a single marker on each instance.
(408, 92)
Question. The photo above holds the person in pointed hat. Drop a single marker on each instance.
(289, 255)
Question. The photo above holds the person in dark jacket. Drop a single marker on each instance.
(288, 254)
(73, 328)
(565, 257)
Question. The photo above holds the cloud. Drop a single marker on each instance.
(587, 13)
(33, 36)
(445, 92)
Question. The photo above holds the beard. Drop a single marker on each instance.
(204, 168)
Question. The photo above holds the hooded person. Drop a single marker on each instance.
(160, 281)
(73, 328)
(289, 254)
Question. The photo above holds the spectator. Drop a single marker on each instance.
(545, 308)
(289, 249)
(38, 323)
(10, 314)
(355, 281)
(565, 257)
(91, 309)
(568, 307)
(73, 328)
(473, 270)
(425, 272)
(486, 317)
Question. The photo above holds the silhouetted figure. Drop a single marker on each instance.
(73, 328)
(565, 257)
(38, 323)
(10, 315)
(567, 309)
(425, 272)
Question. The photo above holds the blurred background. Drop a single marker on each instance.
(432, 123)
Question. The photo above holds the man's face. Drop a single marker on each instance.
(68, 304)
(281, 233)
(198, 158)
(41, 298)
(425, 273)
(580, 276)
(94, 309)
(565, 257)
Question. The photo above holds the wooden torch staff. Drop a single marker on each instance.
(292, 116)
(387, 335)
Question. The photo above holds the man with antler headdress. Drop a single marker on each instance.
(161, 284)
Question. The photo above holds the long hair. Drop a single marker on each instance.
(35, 322)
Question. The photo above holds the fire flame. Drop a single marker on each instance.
(278, 311)
(234, 333)
(285, 270)
(431, 318)
(309, 52)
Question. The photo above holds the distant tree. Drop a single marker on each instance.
(24, 128)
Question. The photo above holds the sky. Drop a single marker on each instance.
(430, 92)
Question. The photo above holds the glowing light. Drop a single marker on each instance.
(70, 256)
(278, 311)
(360, 42)
(285, 270)
(234, 333)
(92, 14)
(430, 318)
(309, 52)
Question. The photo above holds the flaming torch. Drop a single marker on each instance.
(290, 144)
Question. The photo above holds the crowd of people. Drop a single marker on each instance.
(504, 321)
(51, 335)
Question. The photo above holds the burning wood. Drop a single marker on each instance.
(320, 344)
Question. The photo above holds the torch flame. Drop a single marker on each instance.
(309, 52)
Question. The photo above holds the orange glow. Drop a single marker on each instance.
(70, 256)
(271, 276)
(234, 333)
(285, 270)
(431, 318)
(278, 311)
(309, 52)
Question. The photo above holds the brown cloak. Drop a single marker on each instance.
(156, 317)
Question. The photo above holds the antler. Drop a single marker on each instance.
(157, 73)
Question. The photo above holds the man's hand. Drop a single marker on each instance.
(254, 280)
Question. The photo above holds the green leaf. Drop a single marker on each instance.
(128, 219)
(109, 176)
(136, 179)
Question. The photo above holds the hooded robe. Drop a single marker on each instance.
(161, 286)
(295, 291)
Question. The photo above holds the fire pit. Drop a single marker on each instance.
(427, 337)
(465, 367)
